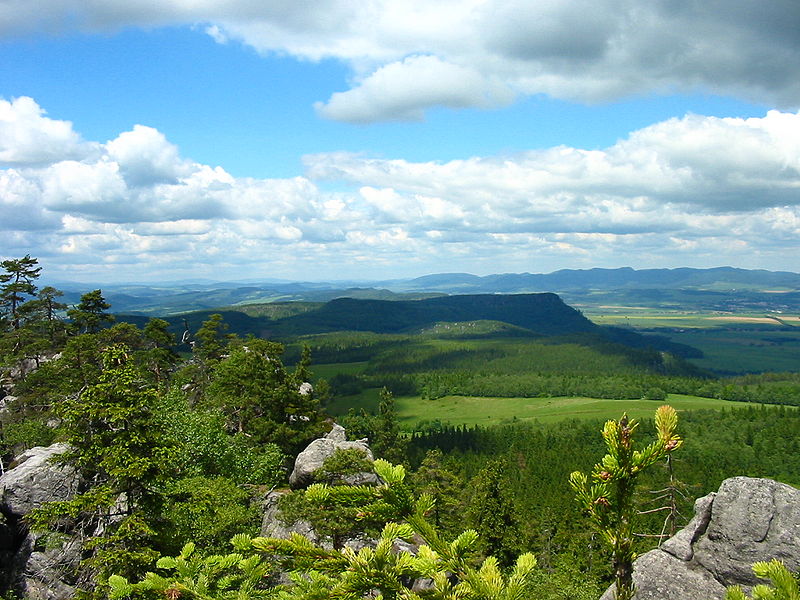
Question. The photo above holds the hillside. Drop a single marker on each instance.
(718, 288)
(545, 314)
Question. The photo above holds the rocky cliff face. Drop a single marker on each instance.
(747, 520)
(36, 568)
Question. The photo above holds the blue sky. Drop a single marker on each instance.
(244, 139)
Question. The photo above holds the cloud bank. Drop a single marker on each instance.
(697, 191)
(408, 56)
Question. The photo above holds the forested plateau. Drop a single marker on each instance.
(178, 429)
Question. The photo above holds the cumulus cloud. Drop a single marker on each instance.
(696, 191)
(493, 50)
(28, 137)
(701, 163)
(146, 157)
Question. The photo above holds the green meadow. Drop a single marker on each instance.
(469, 410)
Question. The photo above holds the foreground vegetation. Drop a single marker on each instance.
(193, 440)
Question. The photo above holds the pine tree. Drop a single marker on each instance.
(89, 315)
(322, 574)
(212, 338)
(16, 285)
(261, 399)
(116, 446)
(387, 442)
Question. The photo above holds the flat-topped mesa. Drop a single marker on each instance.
(542, 313)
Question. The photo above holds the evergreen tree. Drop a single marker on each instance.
(16, 285)
(346, 574)
(261, 399)
(89, 315)
(212, 338)
(48, 307)
(158, 354)
(387, 442)
(492, 512)
(446, 488)
(115, 444)
(609, 500)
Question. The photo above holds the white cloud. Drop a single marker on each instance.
(492, 50)
(700, 163)
(401, 91)
(27, 137)
(694, 191)
(146, 157)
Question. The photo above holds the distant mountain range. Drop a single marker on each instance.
(717, 279)
(711, 288)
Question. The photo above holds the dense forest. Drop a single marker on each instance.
(193, 432)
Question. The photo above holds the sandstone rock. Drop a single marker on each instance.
(751, 520)
(660, 576)
(42, 570)
(39, 567)
(747, 520)
(272, 526)
(5, 402)
(312, 458)
(36, 479)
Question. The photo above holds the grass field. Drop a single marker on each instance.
(460, 410)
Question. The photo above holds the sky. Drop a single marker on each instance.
(147, 141)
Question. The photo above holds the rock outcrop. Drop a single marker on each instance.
(272, 526)
(34, 566)
(747, 520)
(312, 458)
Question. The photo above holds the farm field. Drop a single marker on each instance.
(461, 410)
(731, 343)
(647, 318)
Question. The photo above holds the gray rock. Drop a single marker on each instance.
(752, 520)
(680, 545)
(660, 576)
(315, 454)
(5, 402)
(747, 520)
(272, 526)
(39, 567)
(43, 573)
(36, 479)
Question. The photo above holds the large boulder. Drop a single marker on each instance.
(315, 454)
(747, 520)
(35, 479)
(35, 566)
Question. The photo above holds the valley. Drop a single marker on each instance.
(489, 401)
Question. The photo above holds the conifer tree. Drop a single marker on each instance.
(115, 445)
(261, 399)
(609, 499)
(16, 285)
(435, 479)
(212, 338)
(89, 315)
(492, 512)
(323, 574)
